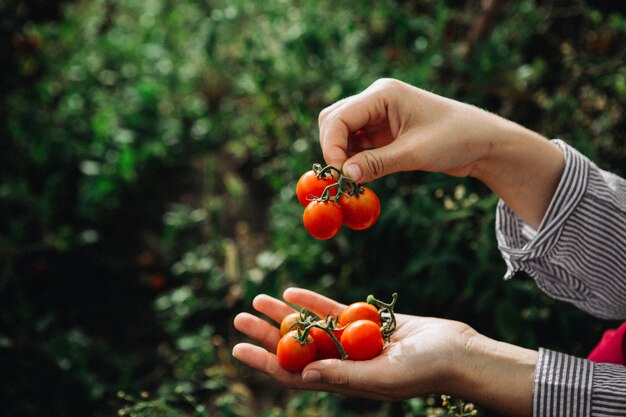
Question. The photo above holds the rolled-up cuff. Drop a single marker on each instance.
(563, 385)
(517, 242)
(567, 386)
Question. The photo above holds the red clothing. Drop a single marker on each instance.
(611, 348)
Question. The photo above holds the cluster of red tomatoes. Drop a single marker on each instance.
(330, 203)
(359, 333)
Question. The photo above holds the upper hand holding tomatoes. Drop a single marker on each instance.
(329, 204)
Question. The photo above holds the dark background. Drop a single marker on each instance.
(149, 155)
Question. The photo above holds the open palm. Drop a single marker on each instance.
(421, 357)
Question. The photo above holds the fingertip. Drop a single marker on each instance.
(240, 319)
(354, 172)
(289, 291)
(294, 295)
(259, 299)
(334, 155)
(236, 350)
(368, 165)
(244, 351)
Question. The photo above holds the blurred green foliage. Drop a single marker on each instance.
(150, 151)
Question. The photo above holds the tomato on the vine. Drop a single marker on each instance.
(322, 219)
(359, 311)
(359, 333)
(360, 210)
(311, 186)
(326, 347)
(362, 340)
(294, 355)
(289, 322)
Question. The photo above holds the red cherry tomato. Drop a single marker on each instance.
(322, 219)
(360, 211)
(310, 186)
(362, 340)
(359, 311)
(326, 347)
(293, 355)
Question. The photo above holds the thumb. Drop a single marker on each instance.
(329, 371)
(371, 164)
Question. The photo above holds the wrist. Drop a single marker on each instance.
(521, 167)
(501, 142)
(496, 375)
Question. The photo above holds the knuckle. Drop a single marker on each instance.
(322, 116)
(339, 379)
(386, 83)
(332, 118)
(272, 368)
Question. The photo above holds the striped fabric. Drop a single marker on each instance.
(577, 255)
(562, 385)
(570, 386)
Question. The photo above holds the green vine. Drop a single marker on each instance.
(387, 316)
(344, 185)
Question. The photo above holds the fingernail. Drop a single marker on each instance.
(354, 172)
(235, 351)
(311, 376)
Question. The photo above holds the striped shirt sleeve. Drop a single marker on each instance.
(567, 386)
(578, 254)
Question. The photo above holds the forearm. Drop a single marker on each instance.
(520, 166)
(497, 375)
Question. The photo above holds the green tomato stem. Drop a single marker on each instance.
(321, 172)
(328, 327)
(344, 184)
(387, 316)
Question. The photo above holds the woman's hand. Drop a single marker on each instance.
(418, 357)
(425, 355)
(405, 128)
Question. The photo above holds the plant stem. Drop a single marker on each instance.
(387, 316)
(328, 327)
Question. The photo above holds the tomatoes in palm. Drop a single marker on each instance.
(362, 340)
(326, 347)
(360, 210)
(322, 219)
(359, 311)
(294, 355)
(311, 186)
